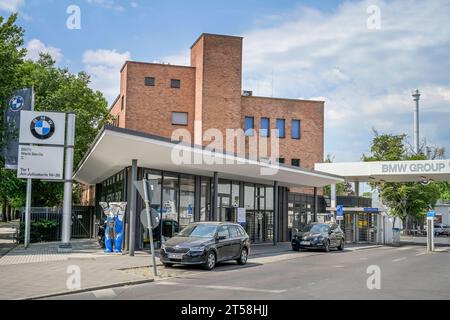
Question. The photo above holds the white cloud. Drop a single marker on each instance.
(365, 76)
(11, 5)
(108, 4)
(104, 67)
(180, 59)
(36, 46)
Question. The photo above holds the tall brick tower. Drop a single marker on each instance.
(218, 83)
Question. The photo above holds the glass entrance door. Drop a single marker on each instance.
(363, 227)
(226, 211)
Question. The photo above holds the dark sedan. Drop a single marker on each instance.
(319, 236)
(206, 244)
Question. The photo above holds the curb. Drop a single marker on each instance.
(365, 248)
(93, 288)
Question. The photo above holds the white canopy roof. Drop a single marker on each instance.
(115, 148)
(389, 171)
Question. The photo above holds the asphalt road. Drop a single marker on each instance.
(405, 273)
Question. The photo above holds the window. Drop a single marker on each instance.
(150, 81)
(280, 160)
(233, 231)
(122, 103)
(180, 118)
(295, 162)
(295, 129)
(265, 127)
(223, 232)
(249, 126)
(174, 83)
(187, 200)
(281, 128)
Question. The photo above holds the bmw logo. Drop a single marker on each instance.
(42, 127)
(16, 103)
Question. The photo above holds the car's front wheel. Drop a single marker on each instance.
(326, 247)
(243, 257)
(168, 265)
(341, 245)
(210, 261)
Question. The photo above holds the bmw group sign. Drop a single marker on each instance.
(42, 128)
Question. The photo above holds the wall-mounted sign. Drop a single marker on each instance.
(40, 162)
(241, 215)
(42, 128)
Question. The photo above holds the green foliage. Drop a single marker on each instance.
(342, 189)
(11, 57)
(444, 190)
(40, 231)
(407, 201)
(56, 89)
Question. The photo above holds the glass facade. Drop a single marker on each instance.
(114, 188)
(180, 199)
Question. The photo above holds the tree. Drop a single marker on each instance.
(407, 201)
(11, 59)
(56, 89)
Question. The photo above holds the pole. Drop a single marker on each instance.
(275, 213)
(416, 96)
(68, 172)
(430, 235)
(316, 204)
(150, 227)
(28, 196)
(28, 214)
(132, 236)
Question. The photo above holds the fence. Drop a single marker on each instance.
(82, 220)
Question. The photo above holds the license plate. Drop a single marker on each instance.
(175, 255)
(305, 243)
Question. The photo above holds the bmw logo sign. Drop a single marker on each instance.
(42, 127)
(16, 103)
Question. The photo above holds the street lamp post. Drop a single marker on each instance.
(416, 96)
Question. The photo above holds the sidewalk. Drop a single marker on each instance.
(7, 232)
(40, 270)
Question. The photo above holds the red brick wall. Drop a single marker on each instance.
(309, 149)
(149, 108)
(218, 60)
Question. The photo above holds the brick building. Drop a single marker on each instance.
(156, 99)
(208, 94)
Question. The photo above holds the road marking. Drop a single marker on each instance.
(338, 266)
(399, 259)
(106, 293)
(232, 288)
(420, 254)
(406, 248)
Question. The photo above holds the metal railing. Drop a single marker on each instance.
(82, 221)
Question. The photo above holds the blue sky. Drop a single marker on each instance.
(315, 49)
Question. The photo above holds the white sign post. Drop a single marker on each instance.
(41, 156)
